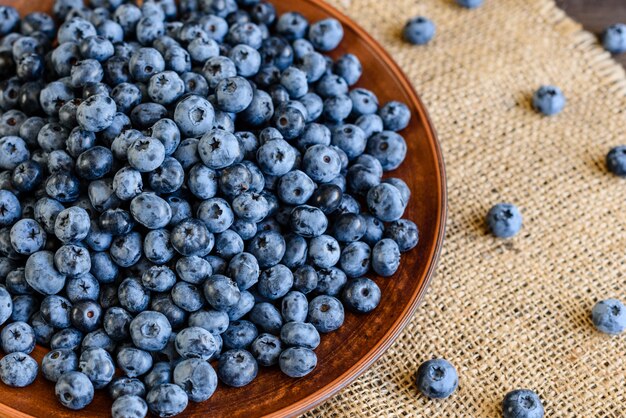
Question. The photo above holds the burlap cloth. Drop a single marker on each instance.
(511, 314)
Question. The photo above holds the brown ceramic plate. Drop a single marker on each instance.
(345, 354)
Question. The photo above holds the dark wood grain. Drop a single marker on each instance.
(596, 15)
(346, 353)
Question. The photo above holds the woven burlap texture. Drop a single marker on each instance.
(510, 313)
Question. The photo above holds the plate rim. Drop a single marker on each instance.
(318, 397)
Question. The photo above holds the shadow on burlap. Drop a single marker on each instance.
(511, 314)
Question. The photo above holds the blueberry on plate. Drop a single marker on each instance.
(326, 34)
(300, 334)
(326, 313)
(609, 316)
(195, 342)
(167, 400)
(17, 337)
(197, 378)
(437, 378)
(150, 331)
(614, 38)
(549, 100)
(129, 406)
(616, 160)
(266, 349)
(57, 362)
(97, 365)
(18, 369)
(522, 403)
(504, 220)
(419, 30)
(237, 368)
(297, 361)
(361, 295)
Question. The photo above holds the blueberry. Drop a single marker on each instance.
(437, 378)
(126, 249)
(150, 210)
(609, 316)
(86, 315)
(296, 251)
(300, 334)
(96, 113)
(233, 94)
(522, 403)
(549, 100)
(268, 247)
(197, 378)
(295, 187)
(308, 221)
(237, 368)
(355, 259)
(327, 197)
(325, 35)
(13, 151)
(321, 163)
(349, 67)
(418, 30)
(239, 334)
(292, 25)
(616, 160)
(97, 365)
(385, 202)
(326, 313)
(127, 406)
(27, 236)
(10, 19)
(144, 63)
(121, 386)
(614, 38)
(66, 339)
(150, 331)
(165, 87)
(221, 292)
(266, 349)
(276, 157)
(219, 149)
(216, 214)
(57, 362)
(260, 110)
(133, 362)
(42, 275)
(385, 257)
(116, 322)
(337, 108)
(361, 295)
(72, 260)
(167, 400)
(43, 331)
(18, 369)
(266, 317)
(324, 251)
(275, 282)
(195, 342)
(313, 106)
(147, 114)
(297, 361)
(294, 306)
(98, 339)
(160, 374)
(17, 337)
(46, 212)
(157, 247)
(193, 269)
(191, 237)
(218, 68)
(24, 306)
(404, 232)
(216, 322)
(243, 268)
(187, 296)
(504, 220)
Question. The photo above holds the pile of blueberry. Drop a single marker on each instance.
(186, 186)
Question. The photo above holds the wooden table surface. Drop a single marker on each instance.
(596, 15)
